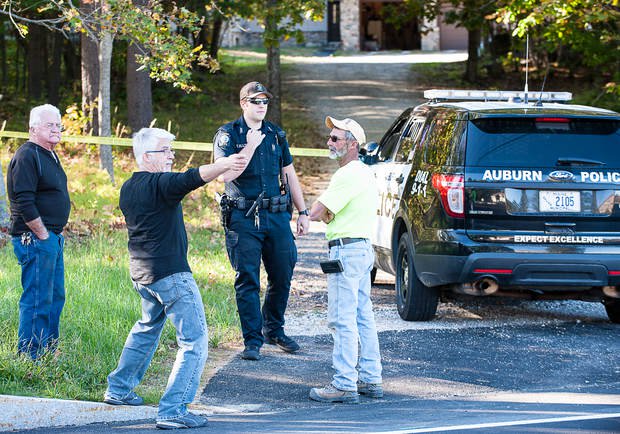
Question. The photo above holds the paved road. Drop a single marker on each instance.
(560, 378)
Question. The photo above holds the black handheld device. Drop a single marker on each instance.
(333, 266)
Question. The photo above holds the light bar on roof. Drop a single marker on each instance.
(495, 95)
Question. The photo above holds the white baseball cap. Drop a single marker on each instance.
(347, 125)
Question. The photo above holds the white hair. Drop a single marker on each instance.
(349, 137)
(36, 112)
(147, 139)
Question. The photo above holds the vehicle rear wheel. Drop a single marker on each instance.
(612, 306)
(414, 300)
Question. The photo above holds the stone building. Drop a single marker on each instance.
(366, 25)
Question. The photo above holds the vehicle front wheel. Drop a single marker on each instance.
(414, 300)
(612, 306)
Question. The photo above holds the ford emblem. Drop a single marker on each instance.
(561, 175)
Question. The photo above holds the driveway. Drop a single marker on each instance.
(371, 88)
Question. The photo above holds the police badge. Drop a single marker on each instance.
(221, 139)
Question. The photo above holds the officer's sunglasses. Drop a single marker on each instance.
(258, 101)
(335, 138)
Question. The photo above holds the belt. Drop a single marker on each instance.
(344, 241)
(273, 204)
(242, 203)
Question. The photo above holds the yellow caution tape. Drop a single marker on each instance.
(190, 146)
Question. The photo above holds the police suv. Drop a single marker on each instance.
(499, 193)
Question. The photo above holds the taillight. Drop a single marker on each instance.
(451, 189)
(554, 120)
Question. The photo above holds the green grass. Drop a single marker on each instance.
(100, 310)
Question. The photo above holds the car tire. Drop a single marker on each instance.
(612, 306)
(373, 275)
(414, 300)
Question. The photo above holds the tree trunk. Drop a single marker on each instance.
(90, 75)
(4, 215)
(274, 84)
(36, 60)
(273, 65)
(216, 33)
(71, 58)
(139, 95)
(105, 130)
(471, 74)
(53, 76)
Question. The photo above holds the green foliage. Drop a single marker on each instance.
(400, 14)
(286, 15)
(161, 28)
(471, 14)
(588, 27)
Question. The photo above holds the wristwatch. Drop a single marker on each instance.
(304, 212)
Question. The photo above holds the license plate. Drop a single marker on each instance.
(559, 201)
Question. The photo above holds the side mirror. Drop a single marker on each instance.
(367, 153)
(371, 148)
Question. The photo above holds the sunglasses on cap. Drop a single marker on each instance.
(258, 101)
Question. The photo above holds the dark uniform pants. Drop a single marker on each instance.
(273, 242)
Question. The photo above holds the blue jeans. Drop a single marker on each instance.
(351, 319)
(43, 296)
(177, 298)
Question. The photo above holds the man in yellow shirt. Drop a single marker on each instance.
(349, 207)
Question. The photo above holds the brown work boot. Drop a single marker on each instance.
(331, 394)
(372, 390)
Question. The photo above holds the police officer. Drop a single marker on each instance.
(257, 210)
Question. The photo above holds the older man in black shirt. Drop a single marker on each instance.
(151, 203)
(40, 205)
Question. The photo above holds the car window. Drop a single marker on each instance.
(404, 153)
(538, 141)
(445, 140)
(391, 138)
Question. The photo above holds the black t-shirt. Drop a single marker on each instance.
(151, 204)
(37, 187)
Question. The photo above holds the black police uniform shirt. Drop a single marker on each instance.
(37, 187)
(263, 170)
(151, 204)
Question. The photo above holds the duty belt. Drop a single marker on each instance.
(274, 204)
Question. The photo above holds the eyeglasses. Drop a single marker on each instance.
(161, 151)
(335, 138)
(258, 101)
(52, 125)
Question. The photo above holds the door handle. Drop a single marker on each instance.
(400, 179)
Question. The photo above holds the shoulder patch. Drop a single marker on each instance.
(221, 139)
